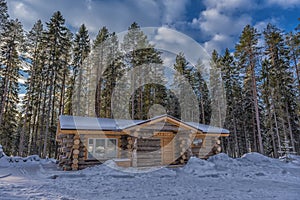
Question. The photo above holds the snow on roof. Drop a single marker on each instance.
(207, 128)
(68, 122)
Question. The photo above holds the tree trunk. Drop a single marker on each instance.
(261, 148)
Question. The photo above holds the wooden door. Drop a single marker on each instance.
(148, 152)
(167, 150)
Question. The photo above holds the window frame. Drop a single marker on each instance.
(91, 155)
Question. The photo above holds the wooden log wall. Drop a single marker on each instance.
(183, 147)
(71, 151)
(65, 151)
(149, 152)
(211, 147)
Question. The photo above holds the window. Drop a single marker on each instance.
(102, 148)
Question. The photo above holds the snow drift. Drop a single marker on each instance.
(253, 176)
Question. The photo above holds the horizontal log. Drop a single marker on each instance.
(146, 164)
(74, 166)
(77, 141)
(148, 143)
(75, 156)
(147, 148)
(149, 156)
(75, 161)
(130, 142)
(147, 153)
(76, 146)
(89, 162)
(76, 151)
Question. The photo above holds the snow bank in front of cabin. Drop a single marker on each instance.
(253, 176)
(8, 161)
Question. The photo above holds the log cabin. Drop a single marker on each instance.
(159, 141)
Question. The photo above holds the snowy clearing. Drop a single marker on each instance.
(251, 177)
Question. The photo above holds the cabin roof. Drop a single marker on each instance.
(68, 122)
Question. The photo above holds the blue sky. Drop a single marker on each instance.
(215, 24)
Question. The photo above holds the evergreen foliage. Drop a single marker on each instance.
(261, 85)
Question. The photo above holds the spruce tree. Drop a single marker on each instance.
(140, 52)
(34, 82)
(99, 60)
(11, 43)
(3, 16)
(216, 91)
(230, 76)
(201, 90)
(181, 79)
(81, 51)
(114, 70)
(58, 45)
(279, 86)
(247, 55)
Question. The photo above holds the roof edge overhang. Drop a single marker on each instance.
(126, 129)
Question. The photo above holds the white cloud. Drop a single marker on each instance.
(229, 5)
(22, 11)
(284, 3)
(219, 42)
(116, 15)
(212, 21)
(173, 10)
(222, 22)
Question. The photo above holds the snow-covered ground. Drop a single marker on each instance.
(251, 177)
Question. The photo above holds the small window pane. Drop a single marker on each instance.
(102, 148)
(91, 141)
(111, 143)
(90, 151)
(111, 148)
(100, 142)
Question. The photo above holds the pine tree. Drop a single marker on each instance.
(81, 51)
(230, 76)
(181, 79)
(279, 87)
(140, 52)
(11, 44)
(33, 84)
(247, 55)
(99, 60)
(58, 45)
(114, 70)
(3, 16)
(201, 90)
(216, 91)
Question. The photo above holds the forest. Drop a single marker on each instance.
(260, 75)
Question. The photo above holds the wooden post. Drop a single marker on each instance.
(134, 153)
